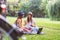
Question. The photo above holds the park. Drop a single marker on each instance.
(45, 12)
(51, 29)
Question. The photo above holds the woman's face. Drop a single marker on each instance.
(29, 16)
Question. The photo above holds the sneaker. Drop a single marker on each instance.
(41, 32)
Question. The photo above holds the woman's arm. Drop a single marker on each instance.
(25, 22)
(33, 23)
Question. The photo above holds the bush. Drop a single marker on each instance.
(53, 9)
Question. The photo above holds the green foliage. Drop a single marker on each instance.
(24, 6)
(43, 6)
(53, 9)
(31, 5)
(36, 6)
(40, 8)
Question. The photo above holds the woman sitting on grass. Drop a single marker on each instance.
(30, 24)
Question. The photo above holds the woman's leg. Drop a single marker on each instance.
(34, 30)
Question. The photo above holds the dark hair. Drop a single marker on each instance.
(29, 19)
(20, 13)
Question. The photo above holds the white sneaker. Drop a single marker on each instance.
(41, 32)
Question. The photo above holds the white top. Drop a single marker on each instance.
(28, 25)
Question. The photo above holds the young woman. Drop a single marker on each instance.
(31, 25)
(19, 19)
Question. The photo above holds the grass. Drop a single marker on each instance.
(51, 29)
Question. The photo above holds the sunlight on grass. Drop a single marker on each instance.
(51, 29)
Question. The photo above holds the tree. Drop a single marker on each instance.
(31, 5)
(43, 7)
(53, 9)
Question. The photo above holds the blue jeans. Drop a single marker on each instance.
(34, 30)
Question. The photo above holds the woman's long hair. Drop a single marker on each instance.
(29, 19)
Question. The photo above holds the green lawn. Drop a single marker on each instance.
(51, 29)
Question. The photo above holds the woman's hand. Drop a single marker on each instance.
(32, 25)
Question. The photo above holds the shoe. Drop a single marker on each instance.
(42, 33)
